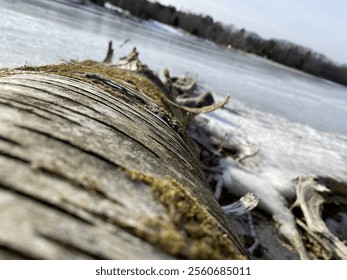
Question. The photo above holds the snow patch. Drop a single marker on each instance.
(287, 150)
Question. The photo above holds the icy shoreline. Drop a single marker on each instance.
(276, 153)
(287, 149)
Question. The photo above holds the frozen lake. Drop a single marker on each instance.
(40, 32)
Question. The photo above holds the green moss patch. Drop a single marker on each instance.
(191, 231)
(125, 78)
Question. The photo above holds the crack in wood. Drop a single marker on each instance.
(44, 202)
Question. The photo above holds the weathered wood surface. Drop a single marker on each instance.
(90, 171)
(312, 194)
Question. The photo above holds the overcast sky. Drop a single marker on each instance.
(318, 24)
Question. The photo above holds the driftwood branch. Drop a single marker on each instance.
(109, 55)
(312, 194)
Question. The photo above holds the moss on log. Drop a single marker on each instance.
(94, 164)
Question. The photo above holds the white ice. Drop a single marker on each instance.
(287, 150)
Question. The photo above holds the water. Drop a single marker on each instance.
(40, 32)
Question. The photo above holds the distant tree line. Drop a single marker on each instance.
(281, 51)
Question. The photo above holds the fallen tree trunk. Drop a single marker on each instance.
(94, 164)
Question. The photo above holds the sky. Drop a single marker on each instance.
(318, 24)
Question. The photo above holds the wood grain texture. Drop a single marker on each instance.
(68, 154)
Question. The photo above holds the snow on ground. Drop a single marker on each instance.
(287, 150)
(116, 9)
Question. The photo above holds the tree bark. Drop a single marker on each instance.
(94, 165)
